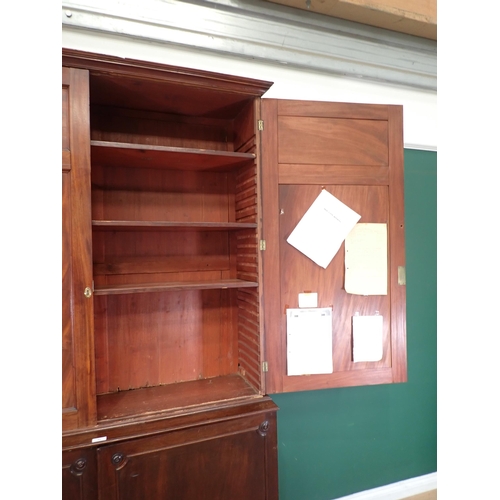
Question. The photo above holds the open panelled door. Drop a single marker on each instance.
(355, 152)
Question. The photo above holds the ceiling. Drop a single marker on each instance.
(413, 17)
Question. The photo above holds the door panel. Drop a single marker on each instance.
(224, 461)
(355, 152)
(78, 386)
(79, 475)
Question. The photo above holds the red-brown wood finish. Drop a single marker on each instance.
(227, 459)
(237, 445)
(214, 218)
(78, 385)
(157, 87)
(397, 244)
(270, 234)
(302, 274)
(115, 153)
(354, 152)
(168, 200)
(79, 474)
(171, 192)
(175, 241)
(135, 416)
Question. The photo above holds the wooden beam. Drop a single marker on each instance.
(413, 17)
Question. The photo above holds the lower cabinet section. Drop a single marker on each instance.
(222, 459)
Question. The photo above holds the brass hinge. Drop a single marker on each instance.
(265, 367)
(262, 244)
(401, 275)
(261, 124)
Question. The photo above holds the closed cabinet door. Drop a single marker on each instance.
(221, 461)
(78, 385)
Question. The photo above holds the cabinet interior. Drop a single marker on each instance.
(175, 231)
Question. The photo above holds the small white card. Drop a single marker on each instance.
(308, 299)
(367, 341)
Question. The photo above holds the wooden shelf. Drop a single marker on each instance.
(128, 225)
(172, 286)
(146, 156)
(181, 395)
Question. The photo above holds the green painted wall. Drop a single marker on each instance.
(337, 442)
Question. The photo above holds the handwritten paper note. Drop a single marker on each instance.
(323, 228)
(366, 260)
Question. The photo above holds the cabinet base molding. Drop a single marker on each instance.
(107, 432)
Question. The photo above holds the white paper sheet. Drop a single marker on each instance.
(323, 228)
(309, 341)
(367, 342)
(366, 260)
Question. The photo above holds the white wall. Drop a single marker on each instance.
(420, 106)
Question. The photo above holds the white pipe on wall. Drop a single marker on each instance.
(267, 32)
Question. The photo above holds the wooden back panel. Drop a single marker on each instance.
(145, 340)
(114, 124)
(121, 193)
